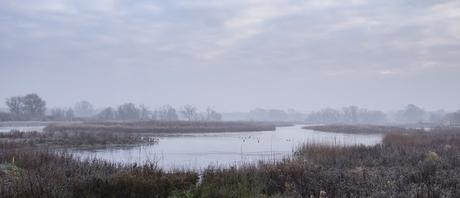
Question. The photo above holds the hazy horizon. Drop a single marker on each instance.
(233, 55)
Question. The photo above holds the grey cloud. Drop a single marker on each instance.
(233, 55)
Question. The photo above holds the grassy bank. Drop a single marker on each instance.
(119, 133)
(360, 129)
(18, 139)
(158, 127)
(416, 164)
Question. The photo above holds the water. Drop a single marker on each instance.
(200, 150)
(39, 128)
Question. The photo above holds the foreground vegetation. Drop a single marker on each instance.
(406, 164)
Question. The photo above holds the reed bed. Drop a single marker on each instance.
(360, 129)
(405, 164)
(18, 139)
(120, 133)
(162, 127)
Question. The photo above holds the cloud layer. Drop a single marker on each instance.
(233, 54)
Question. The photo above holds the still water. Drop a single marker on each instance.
(200, 150)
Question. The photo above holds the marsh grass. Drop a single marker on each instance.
(360, 129)
(47, 174)
(98, 134)
(156, 127)
(69, 138)
(419, 164)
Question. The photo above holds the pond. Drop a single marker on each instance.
(200, 150)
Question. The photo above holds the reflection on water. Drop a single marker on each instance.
(197, 151)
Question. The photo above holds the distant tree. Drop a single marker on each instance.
(436, 116)
(350, 114)
(452, 118)
(167, 113)
(154, 115)
(128, 111)
(293, 115)
(84, 109)
(145, 113)
(28, 107)
(58, 114)
(107, 114)
(69, 115)
(33, 107)
(189, 112)
(411, 114)
(15, 105)
(212, 115)
(371, 116)
(327, 115)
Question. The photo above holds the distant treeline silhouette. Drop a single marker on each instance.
(32, 107)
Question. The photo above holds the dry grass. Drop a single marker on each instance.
(117, 133)
(404, 165)
(360, 129)
(45, 174)
(161, 127)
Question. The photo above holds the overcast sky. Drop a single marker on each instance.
(234, 55)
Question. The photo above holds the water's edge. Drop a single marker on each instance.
(200, 150)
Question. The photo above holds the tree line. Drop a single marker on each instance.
(32, 107)
(410, 114)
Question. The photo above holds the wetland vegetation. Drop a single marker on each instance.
(405, 164)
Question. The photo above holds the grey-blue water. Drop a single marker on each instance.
(200, 150)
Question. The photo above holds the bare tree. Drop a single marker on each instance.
(128, 111)
(84, 109)
(69, 115)
(144, 113)
(350, 114)
(212, 115)
(15, 105)
(452, 118)
(327, 115)
(27, 107)
(58, 114)
(189, 112)
(167, 113)
(411, 114)
(34, 106)
(107, 114)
